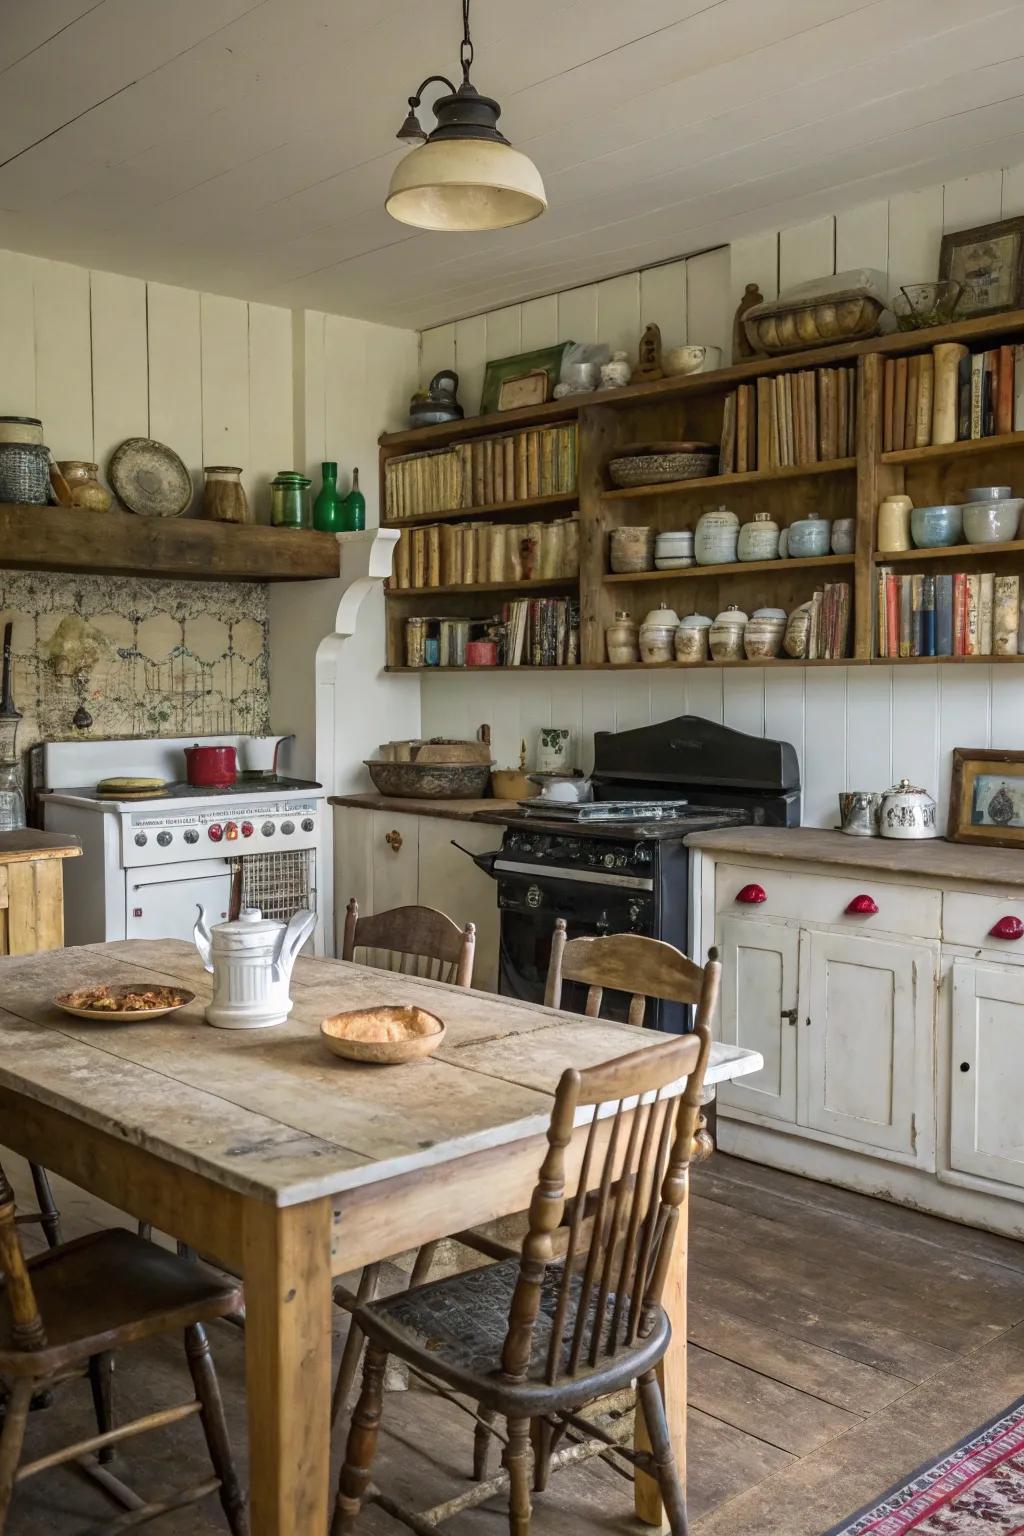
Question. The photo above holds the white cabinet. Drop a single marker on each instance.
(987, 1071)
(759, 1011)
(866, 1045)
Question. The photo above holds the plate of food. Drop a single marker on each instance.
(124, 1002)
(383, 1035)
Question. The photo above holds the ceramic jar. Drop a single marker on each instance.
(657, 634)
(894, 524)
(936, 527)
(617, 372)
(798, 632)
(844, 535)
(691, 641)
(224, 498)
(673, 550)
(758, 539)
(725, 637)
(907, 812)
(810, 536)
(622, 639)
(992, 522)
(83, 482)
(762, 638)
(716, 537)
(631, 549)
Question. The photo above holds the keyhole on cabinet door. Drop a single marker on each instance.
(965, 1066)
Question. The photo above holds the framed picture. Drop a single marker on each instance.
(988, 262)
(529, 389)
(986, 798)
(546, 360)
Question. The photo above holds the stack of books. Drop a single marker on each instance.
(950, 395)
(829, 633)
(541, 632)
(805, 417)
(485, 471)
(958, 613)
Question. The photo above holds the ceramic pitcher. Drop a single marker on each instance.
(251, 960)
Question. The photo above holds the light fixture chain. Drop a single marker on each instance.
(466, 50)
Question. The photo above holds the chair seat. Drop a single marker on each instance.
(107, 1289)
(455, 1329)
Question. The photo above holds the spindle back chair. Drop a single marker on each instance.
(536, 1339)
(621, 962)
(73, 1305)
(413, 941)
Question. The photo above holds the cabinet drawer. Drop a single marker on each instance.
(969, 920)
(823, 899)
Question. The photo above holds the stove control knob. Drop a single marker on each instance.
(141, 839)
(163, 838)
(247, 829)
(268, 829)
(287, 827)
(308, 823)
(215, 832)
(191, 835)
(231, 831)
(609, 861)
(621, 861)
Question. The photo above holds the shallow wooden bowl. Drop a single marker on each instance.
(421, 1040)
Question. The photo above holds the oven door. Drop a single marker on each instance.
(529, 907)
(162, 900)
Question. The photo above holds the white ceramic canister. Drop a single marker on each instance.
(894, 524)
(657, 634)
(691, 639)
(251, 960)
(758, 539)
(725, 636)
(716, 537)
(622, 640)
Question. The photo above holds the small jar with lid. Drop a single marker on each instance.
(810, 536)
(691, 639)
(657, 634)
(224, 498)
(290, 505)
(725, 636)
(622, 640)
(716, 536)
(758, 539)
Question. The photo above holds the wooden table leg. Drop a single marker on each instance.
(287, 1270)
(672, 1376)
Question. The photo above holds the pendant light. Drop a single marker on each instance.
(464, 175)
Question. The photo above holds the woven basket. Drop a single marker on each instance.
(25, 473)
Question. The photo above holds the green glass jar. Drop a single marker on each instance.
(289, 500)
(353, 508)
(327, 507)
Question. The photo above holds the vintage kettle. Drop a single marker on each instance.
(251, 959)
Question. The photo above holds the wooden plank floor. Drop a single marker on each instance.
(836, 1343)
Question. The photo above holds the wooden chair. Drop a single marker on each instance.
(48, 1216)
(76, 1304)
(536, 1340)
(418, 941)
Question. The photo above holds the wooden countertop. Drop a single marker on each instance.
(930, 859)
(21, 847)
(455, 810)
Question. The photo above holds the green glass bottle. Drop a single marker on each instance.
(327, 507)
(353, 508)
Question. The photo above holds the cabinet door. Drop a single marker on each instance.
(759, 1000)
(450, 881)
(394, 854)
(987, 1071)
(866, 1042)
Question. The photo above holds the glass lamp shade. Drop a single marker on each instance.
(465, 184)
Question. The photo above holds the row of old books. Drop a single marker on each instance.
(475, 554)
(541, 632)
(958, 613)
(483, 472)
(950, 395)
(828, 634)
(794, 418)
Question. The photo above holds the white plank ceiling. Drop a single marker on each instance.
(244, 146)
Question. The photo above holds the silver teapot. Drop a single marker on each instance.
(907, 812)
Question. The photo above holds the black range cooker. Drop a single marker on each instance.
(620, 864)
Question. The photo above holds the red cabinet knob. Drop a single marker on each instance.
(1007, 928)
(752, 895)
(862, 906)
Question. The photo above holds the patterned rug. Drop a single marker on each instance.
(975, 1489)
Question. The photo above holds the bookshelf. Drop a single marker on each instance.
(693, 407)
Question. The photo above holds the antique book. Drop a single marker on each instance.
(888, 390)
(1005, 615)
(899, 405)
(910, 414)
(944, 614)
(741, 431)
(906, 615)
(1004, 391)
(986, 605)
(1018, 387)
(972, 616)
(925, 386)
(977, 394)
(764, 423)
(946, 390)
(727, 451)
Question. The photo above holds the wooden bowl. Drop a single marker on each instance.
(422, 1034)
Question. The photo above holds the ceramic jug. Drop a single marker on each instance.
(251, 960)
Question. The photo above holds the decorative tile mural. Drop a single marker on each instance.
(139, 658)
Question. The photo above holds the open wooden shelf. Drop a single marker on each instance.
(949, 552)
(187, 549)
(530, 506)
(734, 568)
(955, 450)
(516, 588)
(652, 666)
(714, 482)
(945, 661)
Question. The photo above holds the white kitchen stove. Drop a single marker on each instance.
(148, 863)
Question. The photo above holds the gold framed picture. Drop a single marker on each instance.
(986, 798)
(988, 263)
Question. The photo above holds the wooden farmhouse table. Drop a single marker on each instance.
(291, 1166)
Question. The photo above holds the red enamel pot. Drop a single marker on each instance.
(211, 767)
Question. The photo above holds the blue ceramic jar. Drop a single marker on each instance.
(810, 536)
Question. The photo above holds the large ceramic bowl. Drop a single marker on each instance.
(429, 781)
(936, 527)
(992, 522)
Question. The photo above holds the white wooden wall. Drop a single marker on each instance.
(853, 727)
(100, 357)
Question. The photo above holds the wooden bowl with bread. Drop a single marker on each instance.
(385, 1036)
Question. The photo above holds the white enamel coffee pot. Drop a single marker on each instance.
(251, 959)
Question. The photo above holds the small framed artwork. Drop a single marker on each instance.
(528, 389)
(546, 360)
(986, 798)
(988, 263)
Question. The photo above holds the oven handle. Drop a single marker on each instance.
(484, 861)
(574, 876)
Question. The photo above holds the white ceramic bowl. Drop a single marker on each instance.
(992, 522)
